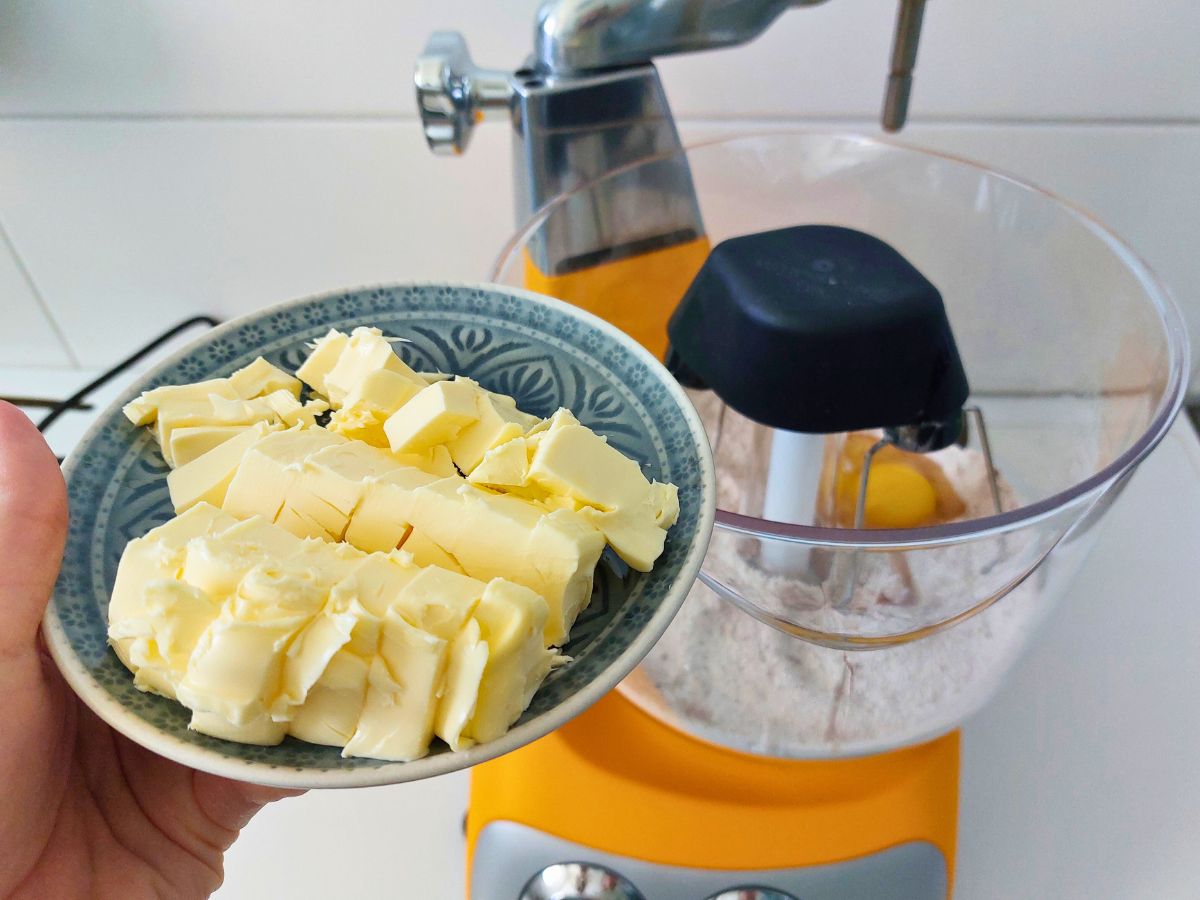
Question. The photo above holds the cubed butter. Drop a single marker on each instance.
(261, 731)
(511, 619)
(365, 352)
(144, 409)
(269, 468)
(665, 500)
(332, 708)
(320, 362)
(353, 588)
(402, 692)
(468, 656)
(434, 416)
(497, 536)
(207, 478)
(261, 378)
(189, 442)
(632, 534)
(576, 462)
(497, 423)
(382, 519)
(174, 616)
(236, 667)
(561, 418)
(438, 601)
(503, 467)
(332, 482)
(384, 391)
(307, 658)
(425, 552)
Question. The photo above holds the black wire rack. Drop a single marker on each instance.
(78, 400)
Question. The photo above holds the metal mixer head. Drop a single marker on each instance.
(589, 100)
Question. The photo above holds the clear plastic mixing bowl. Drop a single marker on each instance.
(805, 640)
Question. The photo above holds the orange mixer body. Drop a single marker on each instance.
(622, 782)
(637, 294)
(618, 780)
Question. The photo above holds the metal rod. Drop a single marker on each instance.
(104, 377)
(904, 60)
(860, 515)
(986, 446)
(860, 506)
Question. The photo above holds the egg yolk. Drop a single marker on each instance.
(897, 497)
(904, 490)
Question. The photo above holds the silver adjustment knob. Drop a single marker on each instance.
(453, 94)
(752, 893)
(579, 881)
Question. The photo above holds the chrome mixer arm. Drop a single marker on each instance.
(583, 35)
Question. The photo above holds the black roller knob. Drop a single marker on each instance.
(818, 329)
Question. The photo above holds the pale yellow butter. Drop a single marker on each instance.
(382, 518)
(291, 411)
(331, 709)
(497, 536)
(269, 468)
(261, 378)
(235, 670)
(608, 489)
(193, 404)
(402, 687)
(436, 461)
(175, 615)
(425, 552)
(504, 467)
(438, 601)
(665, 500)
(634, 535)
(144, 409)
(189, 442)
(307, 658)
(261, 731)
(320, 362)
(366, 351)
(497, 423)
(576, 462)
(367, 406)
(468, 656)
(277, 408)
(207, 478)
(332, 483)
(435, 415)
(511, 620)
(293, 612)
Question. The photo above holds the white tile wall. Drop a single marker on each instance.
(1020, 59)
(161, 158)
(27, 335)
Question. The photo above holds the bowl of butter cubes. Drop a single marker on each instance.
(378, 535)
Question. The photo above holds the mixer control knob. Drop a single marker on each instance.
(453, 94)
(750, 892)
(579, 881)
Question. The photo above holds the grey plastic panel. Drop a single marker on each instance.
(507, 855)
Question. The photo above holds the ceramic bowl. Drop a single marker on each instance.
(543, 352)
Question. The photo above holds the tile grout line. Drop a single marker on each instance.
(51, 319)
(763, 119)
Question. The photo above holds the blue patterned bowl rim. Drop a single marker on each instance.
(222, 758)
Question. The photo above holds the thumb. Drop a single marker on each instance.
(33, 527)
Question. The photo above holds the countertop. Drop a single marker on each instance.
(1079, 780)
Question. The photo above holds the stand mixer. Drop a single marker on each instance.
(793, 734)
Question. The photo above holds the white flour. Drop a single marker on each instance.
(737, 681)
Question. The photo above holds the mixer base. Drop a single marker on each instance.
(619, 788)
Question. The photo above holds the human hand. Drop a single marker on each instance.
(85, 812)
